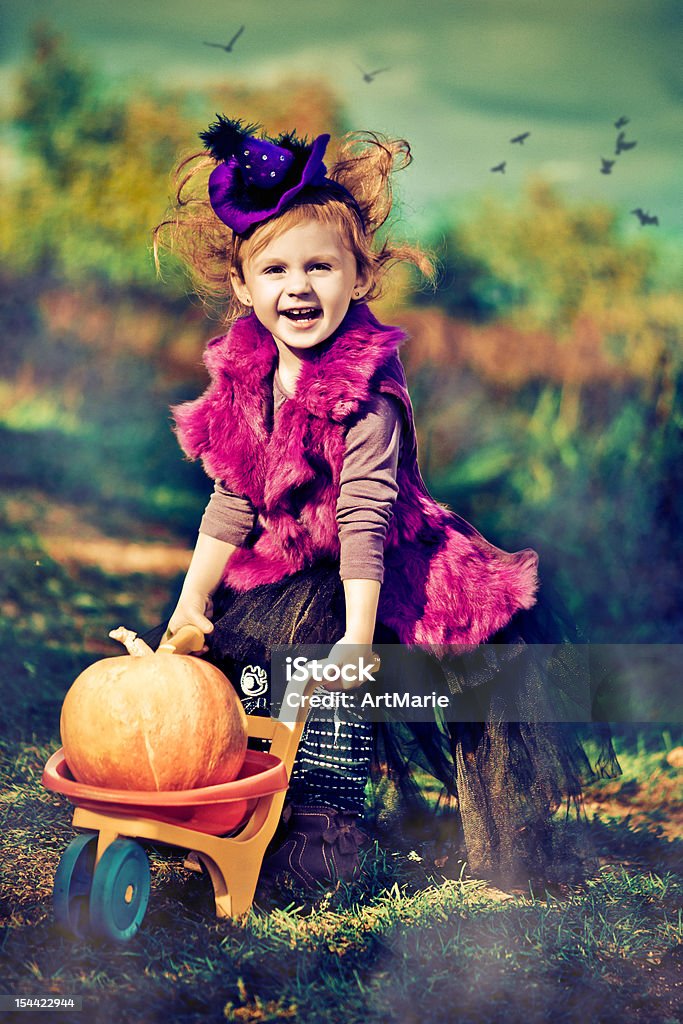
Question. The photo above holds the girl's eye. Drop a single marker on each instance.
(277, 268)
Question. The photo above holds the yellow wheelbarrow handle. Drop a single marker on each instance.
(187, 640)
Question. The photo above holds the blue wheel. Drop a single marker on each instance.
(120, 891)
(73, 880)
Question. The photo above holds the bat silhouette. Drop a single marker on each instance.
(607, 166)
(520, 138)
(622, 144)
(228, 48)
(644, 217)
(499, 167)
(368, 76)
(622, 122)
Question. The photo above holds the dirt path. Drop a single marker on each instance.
(88, 581)
(71, 538)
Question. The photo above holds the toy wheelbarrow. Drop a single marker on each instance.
(102, 883)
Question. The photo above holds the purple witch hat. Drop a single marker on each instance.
(258, 177)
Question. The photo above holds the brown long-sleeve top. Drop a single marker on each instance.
(367, 492)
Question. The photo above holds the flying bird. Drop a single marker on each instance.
(520, 138)
(499, 167)
(607, 166)
(622, 122)
(228, 48)
(622, 144)
(368, 76)
(644, 217)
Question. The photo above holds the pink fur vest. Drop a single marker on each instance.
(444, 582)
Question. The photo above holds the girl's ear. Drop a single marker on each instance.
(362, 285)
(239, 287)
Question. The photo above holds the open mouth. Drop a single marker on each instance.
(304, 315)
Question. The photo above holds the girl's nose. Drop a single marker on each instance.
(298, 282)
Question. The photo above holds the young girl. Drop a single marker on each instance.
(320, 528)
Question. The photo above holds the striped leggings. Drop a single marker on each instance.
(333, 761)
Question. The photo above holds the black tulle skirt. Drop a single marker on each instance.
(508, 793)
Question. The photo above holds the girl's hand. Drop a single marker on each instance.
(209, 559)
(348, 654)
(192, 609)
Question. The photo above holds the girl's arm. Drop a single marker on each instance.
(362, 597)
(368, 491)
(228, 519)
(203, 576)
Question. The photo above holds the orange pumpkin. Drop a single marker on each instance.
(157, 722)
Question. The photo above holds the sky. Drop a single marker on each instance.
(463, 78)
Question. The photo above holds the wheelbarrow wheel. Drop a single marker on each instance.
(120, 891)
(73, 881)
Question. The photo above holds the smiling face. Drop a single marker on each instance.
(300, 284)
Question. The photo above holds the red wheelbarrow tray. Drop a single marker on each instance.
(214, 810)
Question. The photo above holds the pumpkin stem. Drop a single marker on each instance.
(131, 641)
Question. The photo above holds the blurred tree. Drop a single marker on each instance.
(539, 262)
(546, 291)
(96, 177)
(467, 287)
(61, 108)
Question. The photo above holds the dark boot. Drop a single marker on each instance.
(320, 845)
